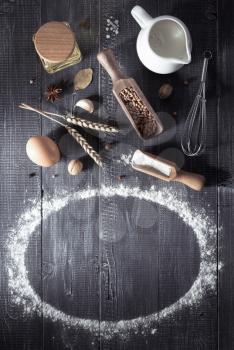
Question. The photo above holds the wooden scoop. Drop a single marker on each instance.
(165, 170)
(130, 97)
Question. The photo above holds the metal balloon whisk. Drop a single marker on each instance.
(193, 140)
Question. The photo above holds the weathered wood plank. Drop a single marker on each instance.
(151, 267)
(18, 66)
(70, 239)
(112, 259)
(225, 173)
(198, 327)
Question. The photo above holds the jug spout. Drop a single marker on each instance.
(184, 60)
(184, 57)
(187, 59)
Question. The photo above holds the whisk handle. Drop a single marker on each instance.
(207, 56)
(192, 180)
(204, 70)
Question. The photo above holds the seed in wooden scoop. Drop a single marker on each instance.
(165, 91)
(83, 79)
(142, 117)
(75, 167)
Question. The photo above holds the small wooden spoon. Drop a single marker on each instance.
(165, 170)
(130, 97)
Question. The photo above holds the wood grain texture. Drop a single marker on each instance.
(131, 98)
(166, 259)
(202, 322)
(18, 65)
(54, 41)
(112, 258)
(70, 240)
(225, 174)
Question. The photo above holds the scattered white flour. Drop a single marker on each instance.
(112, 27)
(125, 158)
(23, 293)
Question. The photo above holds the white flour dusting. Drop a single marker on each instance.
(23, 293)
(125, 159)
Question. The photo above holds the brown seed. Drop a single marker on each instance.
(108, 146)
(165, 91)
(138, 111)
(120, 177)
(75, 167)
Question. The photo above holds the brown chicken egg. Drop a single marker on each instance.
(42, 151)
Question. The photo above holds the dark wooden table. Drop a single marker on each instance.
(97, 262)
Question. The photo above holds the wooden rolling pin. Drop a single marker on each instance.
(130, 97)
(166, 170)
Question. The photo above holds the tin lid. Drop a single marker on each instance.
(54, 41)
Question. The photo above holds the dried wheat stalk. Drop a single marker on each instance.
(85, 145)
(90, 125)
(73, 132)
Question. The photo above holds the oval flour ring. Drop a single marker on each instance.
(23, 293)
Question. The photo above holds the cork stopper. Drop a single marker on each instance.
(54, 41)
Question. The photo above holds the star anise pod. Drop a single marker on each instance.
(53, 92)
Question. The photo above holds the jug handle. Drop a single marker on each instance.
(141, 16)
(107, 60)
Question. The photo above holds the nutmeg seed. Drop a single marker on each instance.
(165, 91)
(85, 104)
(75, 167)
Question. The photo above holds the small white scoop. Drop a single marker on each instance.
(165, 170)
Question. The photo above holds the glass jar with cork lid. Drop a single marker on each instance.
(56, 46)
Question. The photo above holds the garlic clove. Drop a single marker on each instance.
(85, 104)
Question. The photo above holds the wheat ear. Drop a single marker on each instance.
(73, 132)
(86, 123)
(91, 125)
(85, 145)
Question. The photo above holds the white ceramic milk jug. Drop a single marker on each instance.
(164, 43)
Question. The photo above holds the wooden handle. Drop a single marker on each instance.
(107, 60)
(194, 181)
